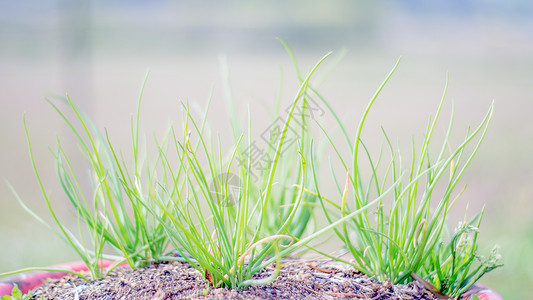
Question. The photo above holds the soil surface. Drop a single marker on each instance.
(175, 280)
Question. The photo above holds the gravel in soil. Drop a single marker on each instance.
(175, 280)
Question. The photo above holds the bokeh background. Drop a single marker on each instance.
(99, 52)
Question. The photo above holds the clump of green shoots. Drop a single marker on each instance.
(113, 212)
(455, 266)
(237, 235)
(229, 223)
(185, 198)
(252, 159)
(16, 294)
(398, 240)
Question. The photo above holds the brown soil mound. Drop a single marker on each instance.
(298, 280)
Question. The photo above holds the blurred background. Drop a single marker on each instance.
(100, 51)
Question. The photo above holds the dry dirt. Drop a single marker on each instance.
(176, 280)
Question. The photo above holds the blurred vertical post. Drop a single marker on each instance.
(76, 52)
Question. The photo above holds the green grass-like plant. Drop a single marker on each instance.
(399, 238)
(455, 266)
(256, 161)
(138, 206)
(16, 294)
(113, 212)
(229, 223)
(230, 243)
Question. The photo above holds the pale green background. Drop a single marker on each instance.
(99, 54)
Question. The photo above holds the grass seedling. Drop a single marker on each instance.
(185, 197)
(230, 242)
(455, 266)
(230, 222)
(256, 160)
(16, 294)
(397, 243)
(114, 214)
